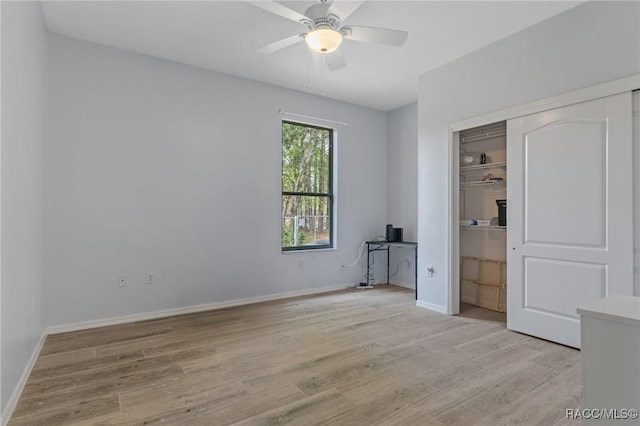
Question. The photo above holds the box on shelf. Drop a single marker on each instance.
(475, 222)
(502, 212)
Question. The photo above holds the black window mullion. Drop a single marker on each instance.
(306, 194)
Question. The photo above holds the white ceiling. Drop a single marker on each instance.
(223, 36)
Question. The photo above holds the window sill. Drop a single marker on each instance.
(308, 250)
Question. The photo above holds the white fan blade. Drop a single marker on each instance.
(343, 8)
(281, 44)
(375, 35)
(335, 60)
(280, 10)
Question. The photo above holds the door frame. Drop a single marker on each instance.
(614, 87)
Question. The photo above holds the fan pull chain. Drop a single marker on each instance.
(308, 69)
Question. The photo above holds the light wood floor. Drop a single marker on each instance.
(346, 358)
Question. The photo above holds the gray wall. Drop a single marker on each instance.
(160, 167)
(593, 43)
(23, 188)
(402, 188)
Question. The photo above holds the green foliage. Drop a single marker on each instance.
(305, 169)
(305, 159)
(302, 238)
(287, 237)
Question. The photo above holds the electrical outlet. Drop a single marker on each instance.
(122, 280)
(430, 270)
(300, 264)
(150, 277)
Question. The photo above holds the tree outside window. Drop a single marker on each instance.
(307, 187)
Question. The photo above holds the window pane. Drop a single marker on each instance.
(305, 221)
(306, 153)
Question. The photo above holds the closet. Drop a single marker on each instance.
(483, 184)
(565, 175)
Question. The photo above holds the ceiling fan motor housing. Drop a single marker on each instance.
(332, 22)
(320, 18)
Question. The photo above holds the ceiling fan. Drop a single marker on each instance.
(325, 29)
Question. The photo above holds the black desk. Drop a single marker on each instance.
(373, 246)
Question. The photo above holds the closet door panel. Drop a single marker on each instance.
(543, 276)
(555, 183)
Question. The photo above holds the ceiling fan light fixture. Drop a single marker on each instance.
(323, 40)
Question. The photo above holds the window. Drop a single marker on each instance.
(307, 187)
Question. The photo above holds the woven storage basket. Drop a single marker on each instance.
(483, 282)
(491, 297)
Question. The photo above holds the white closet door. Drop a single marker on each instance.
(570, 214)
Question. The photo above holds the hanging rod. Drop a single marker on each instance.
(343, 123)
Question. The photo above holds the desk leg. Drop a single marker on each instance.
(368, 262)
(388, 249)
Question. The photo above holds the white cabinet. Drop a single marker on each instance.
(610, 330)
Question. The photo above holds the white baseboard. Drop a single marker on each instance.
(17, 391)
(431, 307)
(84, 325)
(403, 284)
